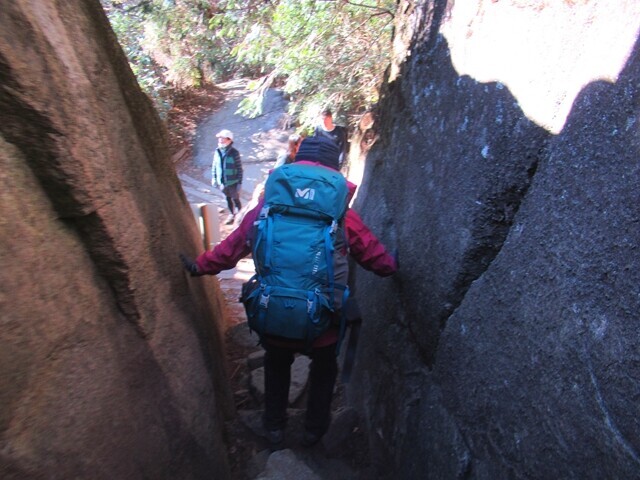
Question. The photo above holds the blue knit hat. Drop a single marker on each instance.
(319, 149)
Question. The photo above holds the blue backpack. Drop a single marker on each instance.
(298, 246)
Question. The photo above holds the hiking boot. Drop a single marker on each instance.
(230, 219)
(310, 439)
(275, 438)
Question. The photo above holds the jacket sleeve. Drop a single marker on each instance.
(238, 161)
(215, 169)
(231, 250)
(365, 247)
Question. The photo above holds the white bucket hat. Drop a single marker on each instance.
(225, 134)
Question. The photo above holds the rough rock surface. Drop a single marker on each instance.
(507, 346)
(111, 360)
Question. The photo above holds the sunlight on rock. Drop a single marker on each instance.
(544, 52)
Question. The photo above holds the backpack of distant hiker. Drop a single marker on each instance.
(299, 247)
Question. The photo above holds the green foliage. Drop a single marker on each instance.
(169, 44)
(322, 53)
(328, 53)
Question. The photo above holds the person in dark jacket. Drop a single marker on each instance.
(226, 172)
(368, 252)
(336, 133)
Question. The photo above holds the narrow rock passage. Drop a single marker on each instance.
(343, 452)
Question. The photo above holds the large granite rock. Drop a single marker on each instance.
(507, 346)
(111, 360)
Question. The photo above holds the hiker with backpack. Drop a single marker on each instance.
(299, 235)
(226, 172)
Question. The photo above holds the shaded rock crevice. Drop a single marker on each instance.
(110, 264)
(38, 139)
(468, 178)
(490, 229)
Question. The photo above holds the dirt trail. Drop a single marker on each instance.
(342, 454)
(259, 141)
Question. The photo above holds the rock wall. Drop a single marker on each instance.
(506, 172)
(111, 361)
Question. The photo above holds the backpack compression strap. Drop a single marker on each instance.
(261, 224)
(329, 249)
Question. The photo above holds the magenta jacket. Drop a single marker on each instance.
(364, 247)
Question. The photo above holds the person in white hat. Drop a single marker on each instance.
(226, 172)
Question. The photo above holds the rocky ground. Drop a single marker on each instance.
(342, 454)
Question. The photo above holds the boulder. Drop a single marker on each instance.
(111, 356)
(507, 344)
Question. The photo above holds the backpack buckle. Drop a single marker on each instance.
(264, 296)
(312, 302)
(264, 300)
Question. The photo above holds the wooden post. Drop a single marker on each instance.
(211, 225)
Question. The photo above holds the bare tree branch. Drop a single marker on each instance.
(381, 11)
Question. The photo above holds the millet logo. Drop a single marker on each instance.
(307, 193)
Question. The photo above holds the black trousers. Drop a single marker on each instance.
(232, 194)
(231, 201)
(277, 378)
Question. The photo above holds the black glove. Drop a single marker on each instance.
(190, 266)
